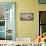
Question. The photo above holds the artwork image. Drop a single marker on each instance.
(26, 16)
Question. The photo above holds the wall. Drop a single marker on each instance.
(25, 28)
(28, 29)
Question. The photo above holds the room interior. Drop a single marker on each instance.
(23, 29)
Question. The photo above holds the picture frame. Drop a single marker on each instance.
(42, 1)
(26, 16)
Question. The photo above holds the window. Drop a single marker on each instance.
(42, 22)
(7, 21)
(42, 1)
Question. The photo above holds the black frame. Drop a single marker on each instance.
(39, 24)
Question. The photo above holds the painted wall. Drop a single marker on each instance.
(28, 29)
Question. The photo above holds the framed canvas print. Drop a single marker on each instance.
(7, 20)
(26, 16)
(42, 1)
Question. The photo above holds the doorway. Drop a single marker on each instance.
(7, 21)
(42, 22)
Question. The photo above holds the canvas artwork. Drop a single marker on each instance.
(26, 16)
